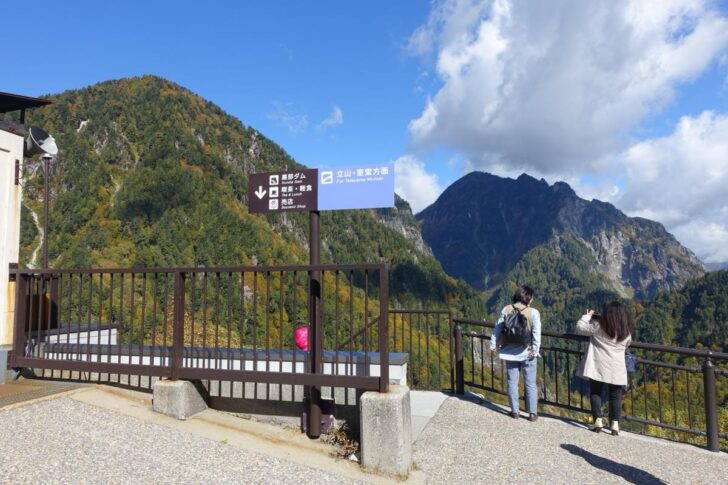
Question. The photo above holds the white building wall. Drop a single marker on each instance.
(103, 337)
(11, 149)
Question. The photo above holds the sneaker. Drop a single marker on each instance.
(615, 428)
(533, 417)
(597, 426)
(514, 415)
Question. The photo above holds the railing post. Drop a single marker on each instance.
(711, 414)
(53, 301)
(22, 302)
(178, 323)
(459, 366)
(451, 350)
(383, 330)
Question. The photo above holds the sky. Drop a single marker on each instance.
(625, 100)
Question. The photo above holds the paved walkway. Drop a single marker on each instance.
(472, 441)
(106, 435)
(424, 406)
(22, 390)
(99, 434)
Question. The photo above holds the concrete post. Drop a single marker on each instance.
(177, 399)
(386, 431)
(4, 371)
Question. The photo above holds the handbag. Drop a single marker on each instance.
(630, 361)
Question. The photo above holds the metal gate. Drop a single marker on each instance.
(232, 325)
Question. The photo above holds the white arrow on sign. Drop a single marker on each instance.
(260, 192)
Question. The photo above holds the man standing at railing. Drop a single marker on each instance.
(517, 337)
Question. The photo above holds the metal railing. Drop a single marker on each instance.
(227, 325)
(426, 335)
(674, 389)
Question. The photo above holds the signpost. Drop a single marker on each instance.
(283, 191)
(362, 187)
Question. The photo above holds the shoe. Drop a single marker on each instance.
(514, 415)
(615, 428)
(533, 417)
(597, 426)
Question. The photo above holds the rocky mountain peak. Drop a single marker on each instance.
(482, 225)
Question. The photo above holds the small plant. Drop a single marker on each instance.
(344, 441)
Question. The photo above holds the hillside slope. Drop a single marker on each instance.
(696, 315)
(151, 175)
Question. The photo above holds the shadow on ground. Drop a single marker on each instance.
(626, 472)
(504, 410)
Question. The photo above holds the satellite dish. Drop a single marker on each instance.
(38, 141)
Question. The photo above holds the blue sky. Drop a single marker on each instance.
(608, 96)
(260, 61)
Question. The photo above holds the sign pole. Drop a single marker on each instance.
(303, 190)
(315, 336)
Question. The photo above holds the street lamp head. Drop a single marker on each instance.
(39, 142)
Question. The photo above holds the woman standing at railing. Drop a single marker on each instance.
(517, 336)
(603, 364)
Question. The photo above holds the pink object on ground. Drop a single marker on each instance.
(300, 336)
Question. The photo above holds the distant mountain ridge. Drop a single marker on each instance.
(483, 225)
(716, 266)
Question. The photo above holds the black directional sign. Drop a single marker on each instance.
(283, 191)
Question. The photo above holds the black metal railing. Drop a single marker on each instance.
(426, 335)
(234, 326)
(675, 392)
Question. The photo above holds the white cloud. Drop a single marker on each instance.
(414, 183)
(283, 115)
(680, 180)
(602, 189)
(556, 89)
(709, 236)
(556, 86)
(447, 22)
(336, 118)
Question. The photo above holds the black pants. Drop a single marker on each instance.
(615, 399)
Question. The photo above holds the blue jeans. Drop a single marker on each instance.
(529, 368)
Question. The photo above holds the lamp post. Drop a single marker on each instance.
(46, 169)
(40, 142)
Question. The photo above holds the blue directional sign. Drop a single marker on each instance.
(360, 187)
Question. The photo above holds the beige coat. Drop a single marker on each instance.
(604, 359)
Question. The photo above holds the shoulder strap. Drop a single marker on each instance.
(528, 316)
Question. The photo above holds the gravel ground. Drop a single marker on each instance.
(476, 442)
(65, 441)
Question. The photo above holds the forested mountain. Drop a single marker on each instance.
(694, 316)
(494, 232)
(151, 175)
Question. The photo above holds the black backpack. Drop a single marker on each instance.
(516, 330)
